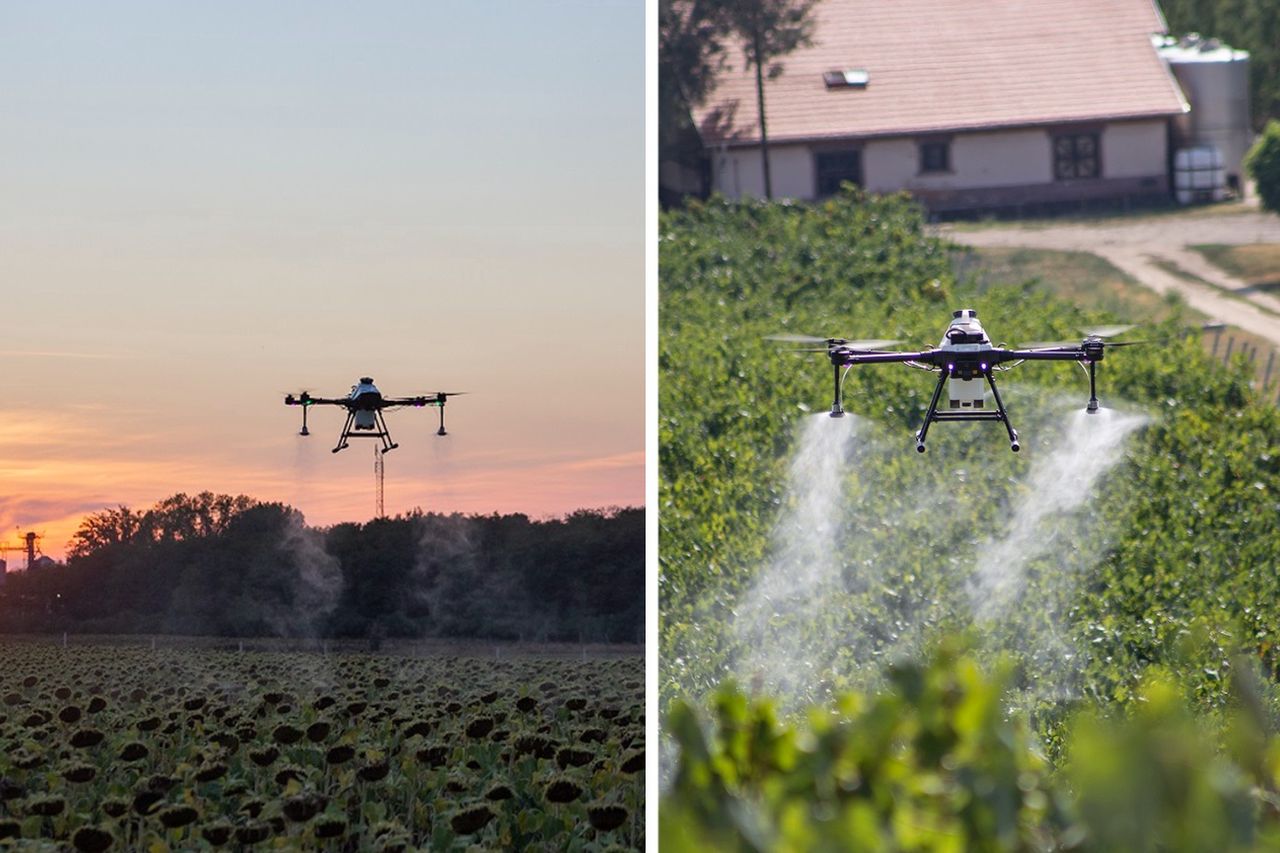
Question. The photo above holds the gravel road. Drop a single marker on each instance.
(1136, 246)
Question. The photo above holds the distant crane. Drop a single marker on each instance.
(29, 546)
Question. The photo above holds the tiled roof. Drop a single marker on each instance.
(946, 65)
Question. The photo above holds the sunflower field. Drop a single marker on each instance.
(130, 748)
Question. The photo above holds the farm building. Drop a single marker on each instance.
(1007, 104)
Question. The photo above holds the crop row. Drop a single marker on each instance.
(131, 748)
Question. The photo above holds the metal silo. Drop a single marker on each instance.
(1215, 79)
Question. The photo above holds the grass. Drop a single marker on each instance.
(1104, 216)
(1081, 277)
(1258, 264)
(1087, 279)
(1178, 272)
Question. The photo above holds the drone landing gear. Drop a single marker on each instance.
(933, 414)
(379, 431)
(305, 402)
(441, 431)
(1092, 408)
(837, 410)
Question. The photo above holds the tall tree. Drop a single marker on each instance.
(769, 29)
(691, 50)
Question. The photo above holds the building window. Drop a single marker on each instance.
(836, 167)
(1076, 156)
(935, 156)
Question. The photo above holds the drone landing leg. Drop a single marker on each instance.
(933, 410)
(1092, 408)
(837, 410)
(384, 433)
(441, 430)
(346, 431)
(1004, 416)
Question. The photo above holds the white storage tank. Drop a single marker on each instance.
(1215, 80)
(1199, 175)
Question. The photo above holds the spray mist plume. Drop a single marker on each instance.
(873, 556)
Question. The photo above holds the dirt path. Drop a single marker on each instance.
(1138, 247)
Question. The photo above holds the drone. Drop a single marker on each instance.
(965, 362)
(364, 407)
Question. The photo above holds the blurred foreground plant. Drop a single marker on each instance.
(935, 762)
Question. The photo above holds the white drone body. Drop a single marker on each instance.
(966, 335)
(366, 398)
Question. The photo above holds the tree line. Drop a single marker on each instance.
(217, 565)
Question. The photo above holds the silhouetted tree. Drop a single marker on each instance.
(231, 566)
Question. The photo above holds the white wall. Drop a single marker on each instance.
(998, 159)
(1134, 149)
(978, 160)
(739, 172)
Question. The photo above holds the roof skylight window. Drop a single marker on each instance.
(849, 78)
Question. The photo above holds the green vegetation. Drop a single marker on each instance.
(1263, 165)
(129, 749)
(1161, 584)
(1104, 216)
(1258, 264)
(1082, 278)
(215, 565)
(933, 762)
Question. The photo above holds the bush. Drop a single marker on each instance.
(1263, 164)
(934, 762)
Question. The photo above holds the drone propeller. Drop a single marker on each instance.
(869, 344)
(1076, 344)
(872, 344)
(798, 339)
(1049, 344)
(1091, 332)
(1106, 331)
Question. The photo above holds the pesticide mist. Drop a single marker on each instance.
(807, 566)
(876, 550)
(1057, 484)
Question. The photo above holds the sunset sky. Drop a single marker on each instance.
(206, 205)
